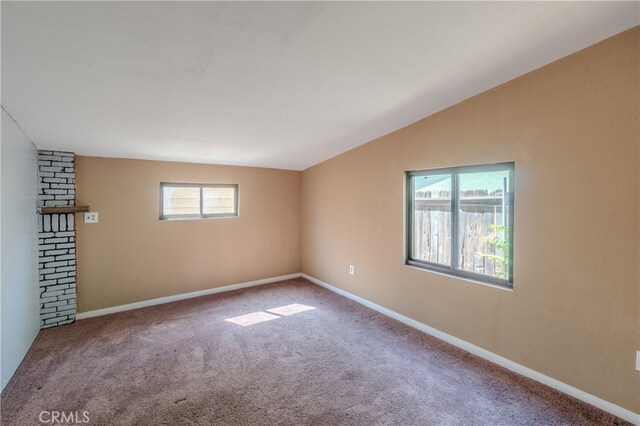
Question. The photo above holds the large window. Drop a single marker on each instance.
(460, 221)
(194, 200)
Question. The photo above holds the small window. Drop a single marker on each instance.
(194, 200)
(460, 221)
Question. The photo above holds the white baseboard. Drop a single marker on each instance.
(616, 410)
(167, 299)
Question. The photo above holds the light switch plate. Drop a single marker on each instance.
(91, 217)
(638, 360)
(352, 270)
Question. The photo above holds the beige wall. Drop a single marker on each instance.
(131, 255)
(572, 128)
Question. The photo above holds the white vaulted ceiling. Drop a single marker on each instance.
(282, 85)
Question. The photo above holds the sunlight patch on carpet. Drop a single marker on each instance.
(270, 314)
(252, 318)
(294, 308)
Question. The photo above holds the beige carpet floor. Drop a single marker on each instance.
(289, 353)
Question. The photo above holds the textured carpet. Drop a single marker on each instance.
(185, 363)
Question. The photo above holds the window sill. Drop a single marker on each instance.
(456, 277)
(173, 219)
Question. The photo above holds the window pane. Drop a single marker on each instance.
(218, 200)
(483, 225)
(432, 219)
(180, 200)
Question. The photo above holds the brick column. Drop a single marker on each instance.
(57, 239)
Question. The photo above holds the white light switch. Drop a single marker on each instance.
(352, 270)
(91, 217)
(638, 360)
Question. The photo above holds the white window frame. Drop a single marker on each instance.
(200, 186)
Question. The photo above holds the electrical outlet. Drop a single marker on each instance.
(91, 217)
(352, 270)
